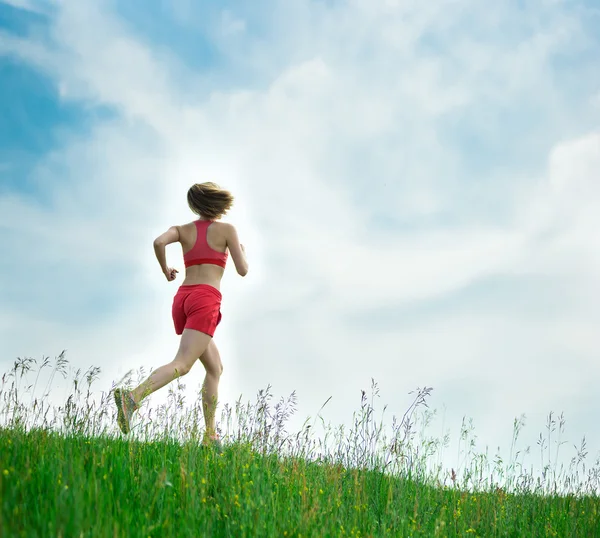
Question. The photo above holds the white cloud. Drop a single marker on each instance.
(231, 25)
(29, 5)
(345, 127)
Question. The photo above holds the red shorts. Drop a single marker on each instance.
(197, 307)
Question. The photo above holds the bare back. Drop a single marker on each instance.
(216, 237)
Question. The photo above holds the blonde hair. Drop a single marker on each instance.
(208, 200)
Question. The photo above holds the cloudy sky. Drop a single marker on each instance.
(417, 183)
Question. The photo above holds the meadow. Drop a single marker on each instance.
(66, 471)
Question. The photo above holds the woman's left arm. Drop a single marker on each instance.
(170, 236)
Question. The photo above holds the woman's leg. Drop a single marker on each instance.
(193, 344)
(211, 360)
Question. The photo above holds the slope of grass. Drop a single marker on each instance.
(54, 485)
(66, 472)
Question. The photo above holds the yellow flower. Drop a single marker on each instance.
(203, 481)
(321, 492)
(5, 472)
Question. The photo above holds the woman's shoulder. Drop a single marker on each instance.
(187, 227)
(222, 225)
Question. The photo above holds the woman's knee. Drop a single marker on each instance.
(181, 367)
(211, 360)
(213, 369)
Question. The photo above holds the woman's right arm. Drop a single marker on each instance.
(238, 253)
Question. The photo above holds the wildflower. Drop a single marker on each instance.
(5, 472)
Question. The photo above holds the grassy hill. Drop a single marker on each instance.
(61, 479)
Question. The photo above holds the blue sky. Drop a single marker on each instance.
(417, 186)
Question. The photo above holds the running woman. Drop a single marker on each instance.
(196, 305)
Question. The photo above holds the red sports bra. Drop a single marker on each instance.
(201, 252)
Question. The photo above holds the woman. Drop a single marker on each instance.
(196, 305)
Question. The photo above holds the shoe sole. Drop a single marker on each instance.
(121, 418)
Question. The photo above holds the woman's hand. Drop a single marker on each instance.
(170, 274)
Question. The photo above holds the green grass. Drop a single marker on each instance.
(65, 472)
